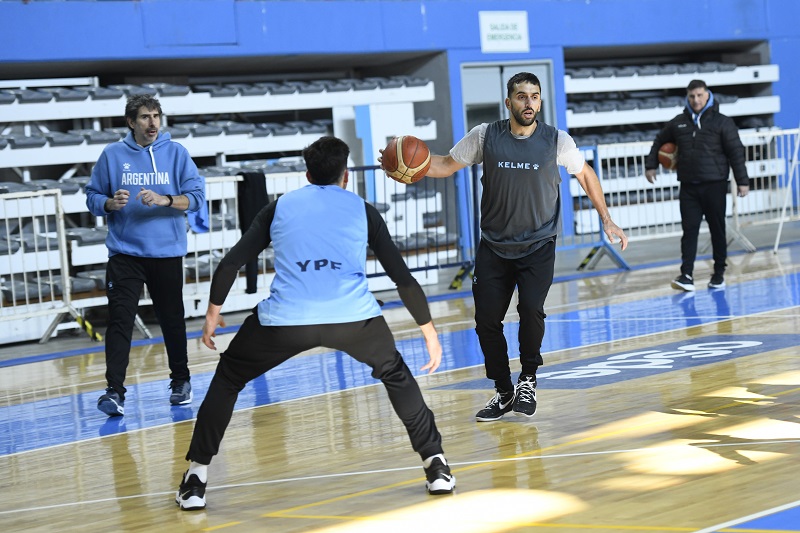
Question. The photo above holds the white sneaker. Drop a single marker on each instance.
(683, 283)
(440, 480)
(191, 495)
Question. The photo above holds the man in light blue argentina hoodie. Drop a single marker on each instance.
(143, 185)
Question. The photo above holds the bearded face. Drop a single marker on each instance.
(524, 117)
(525, 103)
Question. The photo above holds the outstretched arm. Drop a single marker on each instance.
(443, 166)
(254, 240)
(591, 185)
(408, 287)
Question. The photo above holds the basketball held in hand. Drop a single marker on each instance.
(668, 156)
(406, 159)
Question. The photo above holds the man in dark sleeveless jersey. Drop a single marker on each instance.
(520, 210)
(319, 297)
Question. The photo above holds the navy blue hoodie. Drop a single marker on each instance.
(164, 167)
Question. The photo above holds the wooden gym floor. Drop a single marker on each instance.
(658, 412)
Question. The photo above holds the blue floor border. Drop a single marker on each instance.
(392, 304)
(56, 420)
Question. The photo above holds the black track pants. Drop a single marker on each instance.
(256, 349)
(492, 289)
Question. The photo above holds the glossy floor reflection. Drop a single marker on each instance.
(68, 418)
(650, 401)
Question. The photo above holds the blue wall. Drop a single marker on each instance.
(164, 29)
(200, 28)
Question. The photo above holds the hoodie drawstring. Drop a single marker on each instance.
(153, 159)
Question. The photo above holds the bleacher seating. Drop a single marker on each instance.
(87, 236)
(97, 276)
(64, 94)
(217, 91)
(167, 89)
(95, 136)
(69, 125)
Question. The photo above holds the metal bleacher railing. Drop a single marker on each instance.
(35, 283)
(57, 122)
(47, 270)
(648, 211)
(49, 273)
(594, 240)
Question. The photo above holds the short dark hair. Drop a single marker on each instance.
(522, 77)
(326, 160)
(696, 84)
(138, 101)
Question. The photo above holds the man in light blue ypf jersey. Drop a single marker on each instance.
(319, 297)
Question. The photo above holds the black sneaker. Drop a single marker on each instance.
(181, 393)
(683, 283)
(191, 495)
(495, 408)
(440, 480)
(111, 403)
(717, 282)
(525, 396)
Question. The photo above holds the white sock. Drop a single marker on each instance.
(427, 462)
(201, 471)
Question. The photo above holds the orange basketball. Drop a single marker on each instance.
(668, 156)
(406, 159)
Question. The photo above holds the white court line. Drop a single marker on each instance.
(401, 469)
(748, 518)
(190, 420)
(419, 378)
(441, 325)
(411, 333)
(666, 318)
(514, 317)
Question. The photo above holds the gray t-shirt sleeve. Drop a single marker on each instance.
(568, 155)
(469, 150)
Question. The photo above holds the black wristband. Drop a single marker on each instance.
(170, 200)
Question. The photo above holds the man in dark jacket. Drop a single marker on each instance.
(708, 145)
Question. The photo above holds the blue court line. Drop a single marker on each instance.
(99, 348)
(617, 367)
(784, 520)
(74, 417)
(451, 295)
(788, 520)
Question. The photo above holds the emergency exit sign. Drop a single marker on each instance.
(504, 31)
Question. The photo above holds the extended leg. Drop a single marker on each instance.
(691, 217)
(124, 282)
(254, 350)
(371, 342)
(492, 290)
(535, 276)
(165, 282)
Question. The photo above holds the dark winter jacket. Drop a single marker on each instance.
(708, 144)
